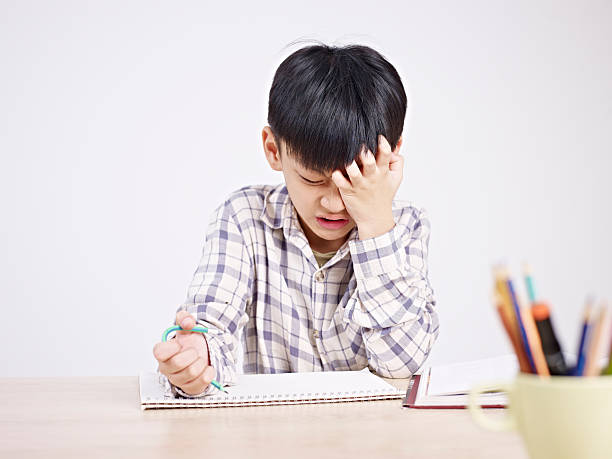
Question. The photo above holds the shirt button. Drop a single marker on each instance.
(319, 276)
(315, 334)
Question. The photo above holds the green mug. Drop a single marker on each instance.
(557, 417)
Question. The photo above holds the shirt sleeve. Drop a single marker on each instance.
(219, 293)
(393, 302)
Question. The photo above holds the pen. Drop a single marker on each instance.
(196, 329)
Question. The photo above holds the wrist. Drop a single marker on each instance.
(375, 227)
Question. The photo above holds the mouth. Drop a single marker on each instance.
(329, 223)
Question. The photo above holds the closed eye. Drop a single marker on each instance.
(310, 182)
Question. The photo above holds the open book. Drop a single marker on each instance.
(447, 386)
(275, 389)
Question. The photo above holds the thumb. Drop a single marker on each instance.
(185, 320)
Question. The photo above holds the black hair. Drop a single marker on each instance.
(327, 102)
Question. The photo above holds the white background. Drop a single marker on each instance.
(124, 124)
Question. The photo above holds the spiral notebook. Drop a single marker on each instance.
(275, 389)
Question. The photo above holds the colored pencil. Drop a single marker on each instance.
(529, 283)
(578, 370)
(598, 338)
(521, 326)
(535, 344)
(503, 298)
(501, 275)
(532, 336)
(516, 345)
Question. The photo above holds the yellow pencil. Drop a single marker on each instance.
(514, 338)
(501, 276)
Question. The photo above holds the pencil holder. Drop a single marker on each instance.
(557, 417)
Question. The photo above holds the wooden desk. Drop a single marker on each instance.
(101, 417)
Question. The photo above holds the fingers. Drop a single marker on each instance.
(341, 182)
(354, 173)
(396, 163)
(368, 162)
(188, 374)
(384, 153)
(185, 320)
(369, 165)
(193, 340)
(166, 350)
(179, 362)
(201, 382)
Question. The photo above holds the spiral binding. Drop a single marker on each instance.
(293, 396)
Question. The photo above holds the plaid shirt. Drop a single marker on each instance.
(258, 282)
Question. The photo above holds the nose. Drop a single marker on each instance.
(332, 201)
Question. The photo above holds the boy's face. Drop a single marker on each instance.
(321, 211)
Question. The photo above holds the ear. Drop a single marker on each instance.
(398, 145)
(271, 149)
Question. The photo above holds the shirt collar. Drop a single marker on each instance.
(277, 207)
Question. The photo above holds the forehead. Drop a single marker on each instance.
(303, 170)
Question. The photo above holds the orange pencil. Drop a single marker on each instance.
(535, 344)
(516, 345)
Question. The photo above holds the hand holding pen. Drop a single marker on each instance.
(184, 360)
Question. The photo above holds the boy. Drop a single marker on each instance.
(325, 272)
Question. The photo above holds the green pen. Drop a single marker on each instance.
(197, 329)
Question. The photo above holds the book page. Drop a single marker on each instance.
(423, 399)
(459, 378)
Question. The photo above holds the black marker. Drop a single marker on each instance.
(550, 345)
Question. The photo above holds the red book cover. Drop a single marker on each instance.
(410, 400)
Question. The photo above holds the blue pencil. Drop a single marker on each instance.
(519, 321)
(581, 358)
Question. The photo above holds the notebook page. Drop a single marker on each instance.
(459, 378)
(285, 387)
